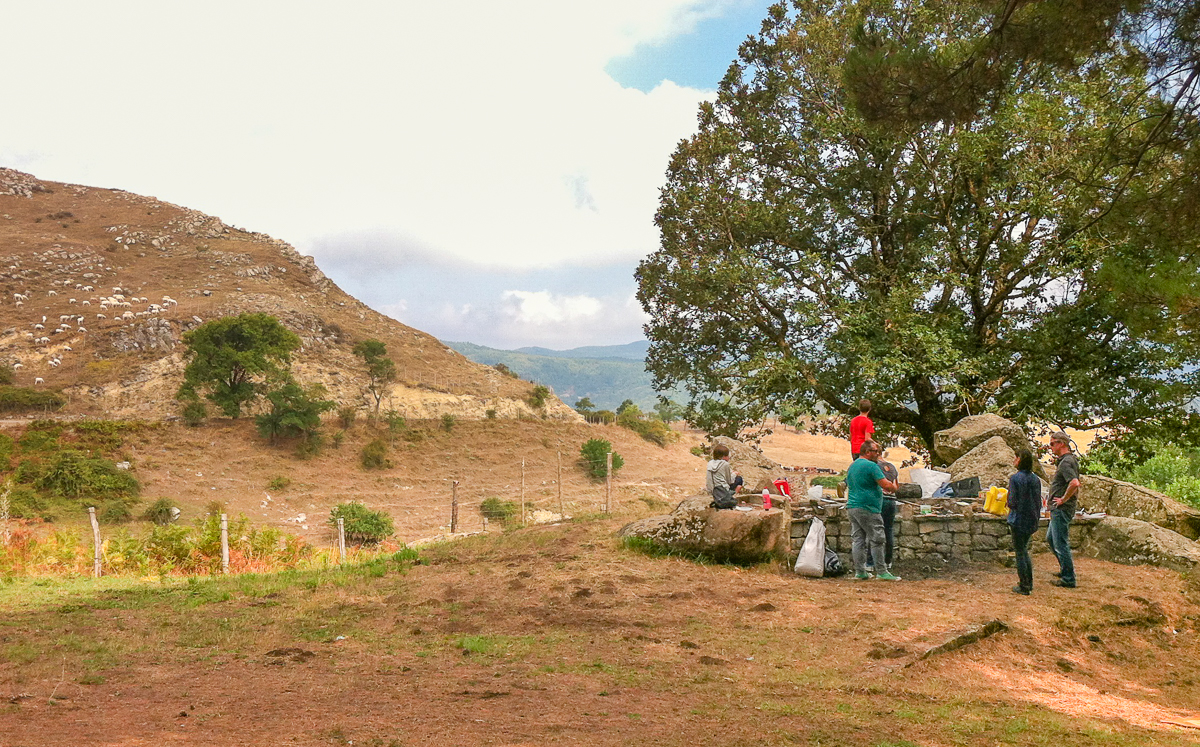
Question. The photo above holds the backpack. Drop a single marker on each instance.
(723, 497)
(833, 563)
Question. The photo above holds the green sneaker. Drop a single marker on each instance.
(886, 576)
(862, 576)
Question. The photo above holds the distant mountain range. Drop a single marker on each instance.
(606, 374)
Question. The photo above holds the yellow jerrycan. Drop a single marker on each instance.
(989, 499)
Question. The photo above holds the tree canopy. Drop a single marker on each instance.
(231, 359)
(812, 256)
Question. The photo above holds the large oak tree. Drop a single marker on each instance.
(812, 255)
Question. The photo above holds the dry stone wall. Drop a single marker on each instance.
(976, 538)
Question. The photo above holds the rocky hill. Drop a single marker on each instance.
(98, 285)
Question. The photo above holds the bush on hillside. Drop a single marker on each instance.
(159, 512)
(374, 455)
(653, 430)
(593, 457)
(448, 422)
(361, 523)
(115, 512)
(537, 397)
(495, 509)
(346, 416)
(194, 413)
(73, 474)
(24, 399)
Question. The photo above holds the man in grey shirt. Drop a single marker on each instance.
(1063, 493)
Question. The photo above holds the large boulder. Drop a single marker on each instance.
(954, 442)
(756, 469)
(1133, 542)
(990, 461)
(1116, 498)
(737, 536)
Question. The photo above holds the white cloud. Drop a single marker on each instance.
(486, 131)
(543, 307)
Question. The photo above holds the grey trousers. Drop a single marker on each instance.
(867, 536)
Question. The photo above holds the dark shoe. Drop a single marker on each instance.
(1019, 590)
(1058, 574)
(1064, 584)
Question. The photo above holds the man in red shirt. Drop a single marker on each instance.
(861, 427)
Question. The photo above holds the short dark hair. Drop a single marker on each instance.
(864, 405)
(1061, 437)
(1025, 460)
(868, 446)
(720, 450)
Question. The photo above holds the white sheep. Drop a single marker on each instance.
(72, 301)
(52, 293)
(87, 288)
(38, 380)
(20, 303)
(81, 329)
(101, 316)
(87, 302)
(68, 347)
(39, 326)
(18, 365)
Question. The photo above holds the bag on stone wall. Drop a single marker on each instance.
(811, 561)
(833, 563)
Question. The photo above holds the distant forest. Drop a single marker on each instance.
(607, 375)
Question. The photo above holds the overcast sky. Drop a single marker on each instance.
(484, 171)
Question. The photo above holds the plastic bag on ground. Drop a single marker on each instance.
(929, 480)
(811, 561)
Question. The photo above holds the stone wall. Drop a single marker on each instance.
(978, 538)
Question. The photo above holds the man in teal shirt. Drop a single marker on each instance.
(866, 483)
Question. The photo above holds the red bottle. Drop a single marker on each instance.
(766, 500)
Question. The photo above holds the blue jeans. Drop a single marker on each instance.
(1024, 561)
(1058, 539)
(889, 518)
(867, 540)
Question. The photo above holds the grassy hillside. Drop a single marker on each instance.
(607, 381)
(560, 635)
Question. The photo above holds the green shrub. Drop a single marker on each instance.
(310, 445)
(279, 482)
(40, 436)
(594, 458)
(115, 512)
(651, 429)
(25, 399)
(6, 375)
(194, 413)
(537, 397)
(26, 503)
(700, 450)
(159, 512)
(361, 523)
(1185, 489)
(346, 416)
(490, 414)
(828, 481)
(295, 411)
(396, 423)
(73, 474)
(374, 455)
(494, 509)
(337, 439)
(448, 422)
(6, 451)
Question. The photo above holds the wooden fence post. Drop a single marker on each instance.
(224, 543)
(341, 540)
(454, 508)
(561, 513)
(95, 542)
(608, 483)
(522, 492)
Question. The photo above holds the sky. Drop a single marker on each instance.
(483, 171)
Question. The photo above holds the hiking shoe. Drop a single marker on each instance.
(1018, 590)
(886, 576)
(870, 569)
(1064, 584)
(860, 576)
(1058, 574)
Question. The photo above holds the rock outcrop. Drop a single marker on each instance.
(756, 469)
(1133, 542)
(737, 536)
(954, 442)
(1116, 498)
(990, 461)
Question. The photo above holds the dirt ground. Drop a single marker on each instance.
(556, 634)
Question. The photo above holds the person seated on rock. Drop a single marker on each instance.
(719, 480)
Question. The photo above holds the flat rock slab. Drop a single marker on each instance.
(965, 638)
(725, 535)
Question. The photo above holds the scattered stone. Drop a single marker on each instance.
(712, 661)
(1094, 638)
(688, 644)
(764, 607)
(582, 593)
(881, 650)
(1065, 665)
